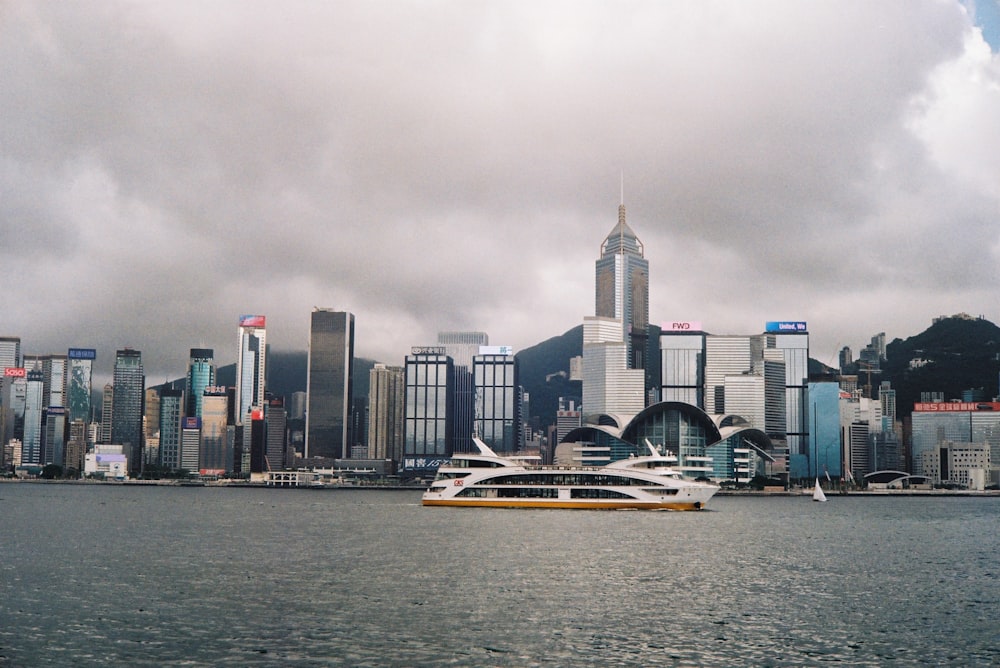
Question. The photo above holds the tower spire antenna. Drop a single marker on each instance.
(623, 188)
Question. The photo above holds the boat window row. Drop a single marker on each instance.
(510, 493)
(568, 479)
(459, 463)
(449, 475)
(597, 493)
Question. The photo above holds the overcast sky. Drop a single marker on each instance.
(168, 166)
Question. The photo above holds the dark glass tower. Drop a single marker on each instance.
(498, 419)
(429, 410)
(201, 374)
(171, 411)
(127, 406)
(329, 387)
(622, 277)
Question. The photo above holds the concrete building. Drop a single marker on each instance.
(386, 394)
(609, 385)
(251, 365)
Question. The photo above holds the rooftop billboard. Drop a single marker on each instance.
(82, 354)
(496, 350)
(682, 326)
(252, 321)
(785, 327)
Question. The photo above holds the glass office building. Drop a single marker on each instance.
(682, 363)
(171, 412)
(498, 416)
(622, 288)
(127, 406)
(201, 374)
(329, 385)
(428, 412)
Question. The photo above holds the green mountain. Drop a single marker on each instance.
(544, 374)
(952, 356)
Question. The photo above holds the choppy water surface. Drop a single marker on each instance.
(202, 576)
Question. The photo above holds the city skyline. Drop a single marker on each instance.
(449, 168)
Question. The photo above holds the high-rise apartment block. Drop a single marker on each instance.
(386, 394)
(329, 384)
(10, 352)
(251, 365)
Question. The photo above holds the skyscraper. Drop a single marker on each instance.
(386, 392)
(430, 379)
(170, 413)
(609, 385)
(498, 415)
(216, 441)
(201, 374)
(622, 275)
(10, 352)
(461, 347)
(13, 390)
(107, 413)
(791, 339)
(126, 406)
(276, 430)
(682, 363)
(251, 365)
(329, 386)
(81, 371)
(31, 444)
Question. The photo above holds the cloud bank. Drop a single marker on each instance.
(166, 167)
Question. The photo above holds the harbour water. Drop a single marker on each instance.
(123, 575)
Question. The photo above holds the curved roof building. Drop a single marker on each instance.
(718, 447)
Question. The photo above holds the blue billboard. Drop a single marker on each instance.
(785, 326)
(82, 354)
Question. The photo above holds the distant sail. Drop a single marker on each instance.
(818, 494)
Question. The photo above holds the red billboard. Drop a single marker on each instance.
(14, 372)
(956, 406)
(252, 321)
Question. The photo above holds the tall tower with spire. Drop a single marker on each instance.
(623, 287)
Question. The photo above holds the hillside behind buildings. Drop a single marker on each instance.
(958, 357)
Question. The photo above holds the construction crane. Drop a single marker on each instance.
(868, 368)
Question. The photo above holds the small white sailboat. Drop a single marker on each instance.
(818, 494)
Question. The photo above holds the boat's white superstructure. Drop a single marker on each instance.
(489, 480)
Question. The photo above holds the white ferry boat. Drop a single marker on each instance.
(489, 480)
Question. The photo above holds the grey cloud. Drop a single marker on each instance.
(457, 165)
